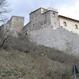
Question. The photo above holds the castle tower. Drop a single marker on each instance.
(14, 25)
(53, 18)
(43, 18)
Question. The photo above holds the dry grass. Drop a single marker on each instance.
(19, 65)
(22, 59)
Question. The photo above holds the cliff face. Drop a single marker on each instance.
(60, 39)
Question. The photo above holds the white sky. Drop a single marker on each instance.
(68, 8)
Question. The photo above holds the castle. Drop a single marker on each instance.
(47, 28)
(42, 18)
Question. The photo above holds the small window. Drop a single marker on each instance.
(53, 13)
(76, 26)
(65, 24)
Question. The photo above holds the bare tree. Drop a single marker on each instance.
(3, 10)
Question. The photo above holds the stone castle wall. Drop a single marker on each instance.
(45, 29)
(70, 24)
(14, 25)
(42, 18)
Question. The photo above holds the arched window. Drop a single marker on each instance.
(64, 23)
(76, 26)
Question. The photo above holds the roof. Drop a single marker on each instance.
(68, 18)
(47, 10)
(37, 10)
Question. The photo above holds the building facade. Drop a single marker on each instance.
(42, 18)
(69, 24)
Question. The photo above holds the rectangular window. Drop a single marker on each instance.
(76, 26)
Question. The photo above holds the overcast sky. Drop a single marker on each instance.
(68, 8)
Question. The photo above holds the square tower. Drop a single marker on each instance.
(53, 18)
(43, 18)
(14, 25)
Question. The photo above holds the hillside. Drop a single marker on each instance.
(39, 63)
(19, 65)
(22, 59)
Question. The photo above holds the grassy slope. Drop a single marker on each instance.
(15, 64)
(32, 65)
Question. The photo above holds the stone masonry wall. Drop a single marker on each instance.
(42, 18)
(52, 34)
(14, 25)
(60, 39)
